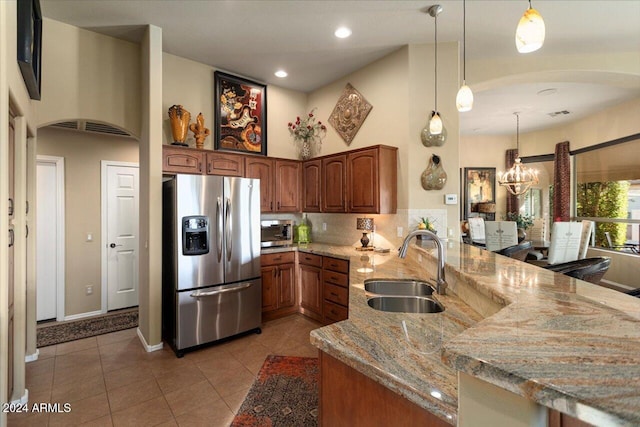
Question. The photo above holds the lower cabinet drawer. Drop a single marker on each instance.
(339, 279)
(336, 294)
(334, 312)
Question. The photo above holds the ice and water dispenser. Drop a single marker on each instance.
(195, 235)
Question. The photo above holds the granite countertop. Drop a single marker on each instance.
(563, 343)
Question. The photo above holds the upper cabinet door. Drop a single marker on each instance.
(181, 160)
(225, 164)
(334, 185)
(288, 186)
(311, 178)
(262, 168)
(372, 180)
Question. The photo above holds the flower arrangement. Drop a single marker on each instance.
(305, 131)
(426, 224)
(523, 221)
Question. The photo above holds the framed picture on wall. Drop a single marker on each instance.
(479, 192)
(241, 114)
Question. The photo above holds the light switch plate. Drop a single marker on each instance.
(450, 199)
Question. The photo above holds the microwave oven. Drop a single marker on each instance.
(276, 232)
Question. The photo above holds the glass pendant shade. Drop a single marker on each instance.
(464, 99)
(518, 179)
(530, 31)
(434, 134)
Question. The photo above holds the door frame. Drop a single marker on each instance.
(60, 230)
(104, 165)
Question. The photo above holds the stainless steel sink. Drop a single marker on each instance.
(410, 304)
(406, 287)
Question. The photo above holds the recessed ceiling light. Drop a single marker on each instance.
(547, 92)
(342, 32)
(281, 73)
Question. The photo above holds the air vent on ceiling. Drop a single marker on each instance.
(66, 125)
(559, 113)
(86, 126)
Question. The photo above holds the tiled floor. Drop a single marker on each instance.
(110, 380)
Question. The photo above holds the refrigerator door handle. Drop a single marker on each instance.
(227, 224)
(219, 228)
(237, 288)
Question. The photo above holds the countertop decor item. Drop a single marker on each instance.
(179, 119)
(240, 107)
(434, 176)
(434, 133)
(365, 225)
(349, 114)
(200, 133)
(307, 133)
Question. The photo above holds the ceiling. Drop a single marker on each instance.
(256, 37)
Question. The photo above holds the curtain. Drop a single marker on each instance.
(512, 200)
(562, 183)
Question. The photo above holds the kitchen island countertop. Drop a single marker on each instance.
(560, 342)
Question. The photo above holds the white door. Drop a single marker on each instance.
(50, 238)
(121, 236)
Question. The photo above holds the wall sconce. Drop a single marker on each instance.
(365, 225)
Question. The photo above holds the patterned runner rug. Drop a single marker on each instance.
(285, 393)
(59, 332)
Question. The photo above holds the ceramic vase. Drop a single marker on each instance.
(434, 177)
(179, 119)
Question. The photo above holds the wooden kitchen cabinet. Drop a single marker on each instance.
(310, 284)
(225, 164)
(311, 179)
(278, 284)
(280, 183)
(182, 160)
(335, 289)
(334, 184)
(372, 180)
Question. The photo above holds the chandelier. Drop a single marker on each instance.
(519, 178)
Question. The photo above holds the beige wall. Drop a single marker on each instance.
(82, 154)
(91, 76)
(191, 84)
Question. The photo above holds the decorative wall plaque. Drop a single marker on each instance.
(350, 112)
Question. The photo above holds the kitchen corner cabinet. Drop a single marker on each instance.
(280, 182)
(278, 284)
(311, 178)
(182, 160)
(310, 284)
(372, 180)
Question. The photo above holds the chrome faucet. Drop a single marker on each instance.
(441, 285)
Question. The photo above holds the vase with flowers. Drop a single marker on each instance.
(523, 222)
(307, 134)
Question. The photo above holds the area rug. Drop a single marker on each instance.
(59, 332)
(285, 394)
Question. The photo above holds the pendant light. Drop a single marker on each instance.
(434, 133)
(519, 178)
(464, 99)
(530, 31)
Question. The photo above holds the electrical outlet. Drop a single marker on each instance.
(324, 226)
(89, 290)
(400, 232)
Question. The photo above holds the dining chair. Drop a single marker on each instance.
(565, 242)
(500, 234)
(588, 269)
(518, 251)
(585, 238)
(476, 230)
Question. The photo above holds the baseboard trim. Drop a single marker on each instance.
(147, 347)
(83, 315)
(23, 400)
(32, 357)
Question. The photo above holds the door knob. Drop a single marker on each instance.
(113, 245)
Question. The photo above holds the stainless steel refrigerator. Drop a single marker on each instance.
(211, 259)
